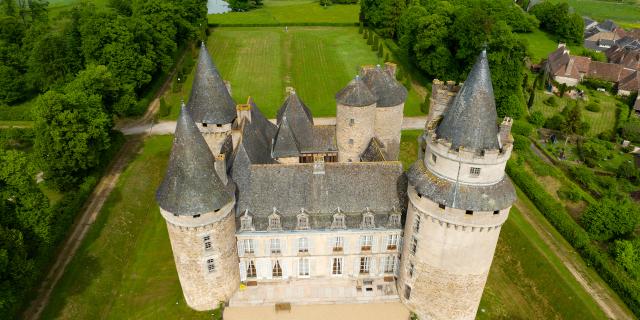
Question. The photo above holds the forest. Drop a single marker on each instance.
(82, 68)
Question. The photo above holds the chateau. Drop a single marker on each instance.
(295, 212)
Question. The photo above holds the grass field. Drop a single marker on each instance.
(600, 121)
(262, 62)
(290, 11)
(625, 12)
(540, 44)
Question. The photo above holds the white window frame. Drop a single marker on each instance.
(389, 264)
(249, 246)
(339, 262)
(275, 246)
(394, 220)
(338, 221)
(274, 222)
(304, 265)
(303, 221)
(211, 265)
(255, 270)
(368, 221)
(393, 240)
(366, 242)
(337, 244)
(365, 265)
(474, 171)
(303, 245)
(246, 222)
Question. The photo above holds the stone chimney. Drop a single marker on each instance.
(442, 95)
(244, 111)
(391, 68)
(221, 168)
(505, 131)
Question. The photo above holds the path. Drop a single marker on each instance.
(575, 265)
(168, 127)
(94, 203)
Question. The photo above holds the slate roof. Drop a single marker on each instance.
(356, 94)
(557, 60)
(471, 120)
(386, 88)
(210, 101)
(588, 22)
(353, 187)
(605, 71)
(631, 82)
(607, 25)
(191, 185)
(374, 151)
(461, 196)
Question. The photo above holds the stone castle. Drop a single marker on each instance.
(295, 212)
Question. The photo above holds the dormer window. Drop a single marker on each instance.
(368, 220)
(274, 221)
(474, 171)
(246, 222)
(338, 221)
(394, 220)
(303, 220)
(204, 124)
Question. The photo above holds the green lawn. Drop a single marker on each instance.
(262, 62)
(626, 12)
(290, 11)
(541, 44)
(124, 268)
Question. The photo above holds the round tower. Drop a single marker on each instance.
(355, 120)
(198, 209)
(459, 197)
(391, 96)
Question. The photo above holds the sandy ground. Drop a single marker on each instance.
(373, 311)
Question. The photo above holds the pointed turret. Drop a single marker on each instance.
(295, 128)
(210, 101)
(471, 121)
(356, 94)
(191, 185)
(388, 91)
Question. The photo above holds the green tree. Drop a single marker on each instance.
(609, 218)
(537, 119)
(370, 38)
(380, 51)
(627, 254)
(361, 28)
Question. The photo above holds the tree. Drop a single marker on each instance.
(537, 119)
(609, 218)
(556, 19)
(370, 38)
(627, 254)
(361, 28)
(627, 170)
(380, 51)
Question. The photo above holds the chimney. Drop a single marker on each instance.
(505, 131)
(221, 168)
(391, 68)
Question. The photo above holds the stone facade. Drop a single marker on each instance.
(214, 135)
(202, 288)
(388, 128)
(354, 130)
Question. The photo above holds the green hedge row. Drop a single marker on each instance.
(293, 24)
(16, 113)
(557, 215)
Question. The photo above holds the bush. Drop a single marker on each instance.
(522, 128)
(165, 108)
(593, 107)
(609, 218)
(568, 193)
(537, 119)
(521, 143)
(595, 84)
(552, 101)
(556, 122)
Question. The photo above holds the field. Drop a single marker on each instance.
(290, 11)
(262, 62)
(540, 44)
(626, 13)
(125, 269)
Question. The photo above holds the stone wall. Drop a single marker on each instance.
(354, 131)
(202, 289)
(442, 95)
(214, 135)
(388, 128)
(449, 268)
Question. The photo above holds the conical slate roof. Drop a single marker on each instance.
(471, 121)
(285, 143)
(261, 123)
(386, 88)
(191, 185)
(210, 101)
(356, 94)
(295, 128)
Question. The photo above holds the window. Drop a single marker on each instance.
(350, 141)
(219, 125)
(474, 172)
(251, 270)
(338, 244)
(303, 221)
(441, 206)
(336, 266)
(303, 245)
(394, 220)
(207, 242)
(303, 267)
(496, 212)
(338, 221)
(416, 224)
(211, 267)
(246, 222)
(392, 241)
(367, 221)
(469, 212)
(204, 124)
(249, 245)
(407, 292)
(414, 245)
(366, 242)
(352, 122)
(274, 244)
(389, 264)
(411, 267)
(365, 262)
(274, 221)
(434, 158)
(276, 271)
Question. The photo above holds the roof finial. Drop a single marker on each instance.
(182, 102)
(202, 44)
(357, 77)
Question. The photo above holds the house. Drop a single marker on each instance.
(605, 71)
(601, 36)
(629, 82)
(589, 23)
(636, 106)
(565, 68)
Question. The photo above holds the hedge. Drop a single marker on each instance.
(281, 24)
(556, 214)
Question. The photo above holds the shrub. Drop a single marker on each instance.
(552, 101)
(165, 108)
(522, 128)
(537, 119)
(609, 218)
(521, 143)
(569, 193)
(556, 122)
(594, 84)
(627, 254)
(593, 107)
(627, 170)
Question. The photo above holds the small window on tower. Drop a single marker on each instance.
(474, 172)
(350, 141)
(352, 122)
(496, 212)
(207, 242)
(204, 124)
(211, 267)
(434, 158)
(441, 206)
(469, 212)
(219, 125)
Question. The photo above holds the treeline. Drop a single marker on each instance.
(558, 20)
(443, 39)
(86, 66)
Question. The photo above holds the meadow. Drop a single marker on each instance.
(262, 62)
(290, 11)
(625, 13)
(125, 268)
